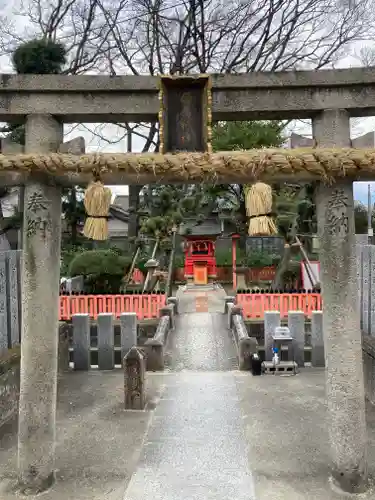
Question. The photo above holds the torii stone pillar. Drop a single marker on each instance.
(341, 321)
(40, 296)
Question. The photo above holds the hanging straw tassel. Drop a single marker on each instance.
(97, 203)
(258, 199)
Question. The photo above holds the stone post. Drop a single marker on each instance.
(271, 321)
(106, 342)
(134, 364)
(234, 261)
(174, 301)
(63, 352)
(81, 342)
(155, 354)
(155, 346)
(3, 334)
(235, 310)
(3, 299)
(40, 306)
(168, 311)
(359, 249)
(371, 298)
(151, 266)
(317, 342)
(246, 346)
(241, 273)
(369, 368)
(228, 300)
(341, 320)
(128, 327)
(229, 307)
(10, 296)
(366, 271)
(296, 324)
(14, 297)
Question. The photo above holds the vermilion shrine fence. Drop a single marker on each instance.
(145, 306)
(148, 306)
(255, 304)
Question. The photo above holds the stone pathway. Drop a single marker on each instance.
(195, 447)
(201, 303)
(201, 342)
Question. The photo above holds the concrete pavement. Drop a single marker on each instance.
(289, 451)
(97, 442)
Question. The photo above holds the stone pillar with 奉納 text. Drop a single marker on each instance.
(341, 320)
(40, 300)
(134, 364)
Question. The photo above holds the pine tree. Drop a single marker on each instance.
(39, 57)
(36, 57)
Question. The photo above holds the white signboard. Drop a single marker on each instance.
(282, 331)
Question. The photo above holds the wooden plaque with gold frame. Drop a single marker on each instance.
(185, 116)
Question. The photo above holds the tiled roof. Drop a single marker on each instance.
(209, 227)
(122, 201)
(118, 213)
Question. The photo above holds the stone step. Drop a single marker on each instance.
(282, 368)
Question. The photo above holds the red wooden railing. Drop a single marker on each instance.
(254, 304)
(146, 306)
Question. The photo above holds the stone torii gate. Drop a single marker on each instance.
(329, 98)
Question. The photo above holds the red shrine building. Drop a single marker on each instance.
(199, 250)
(200, 262)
